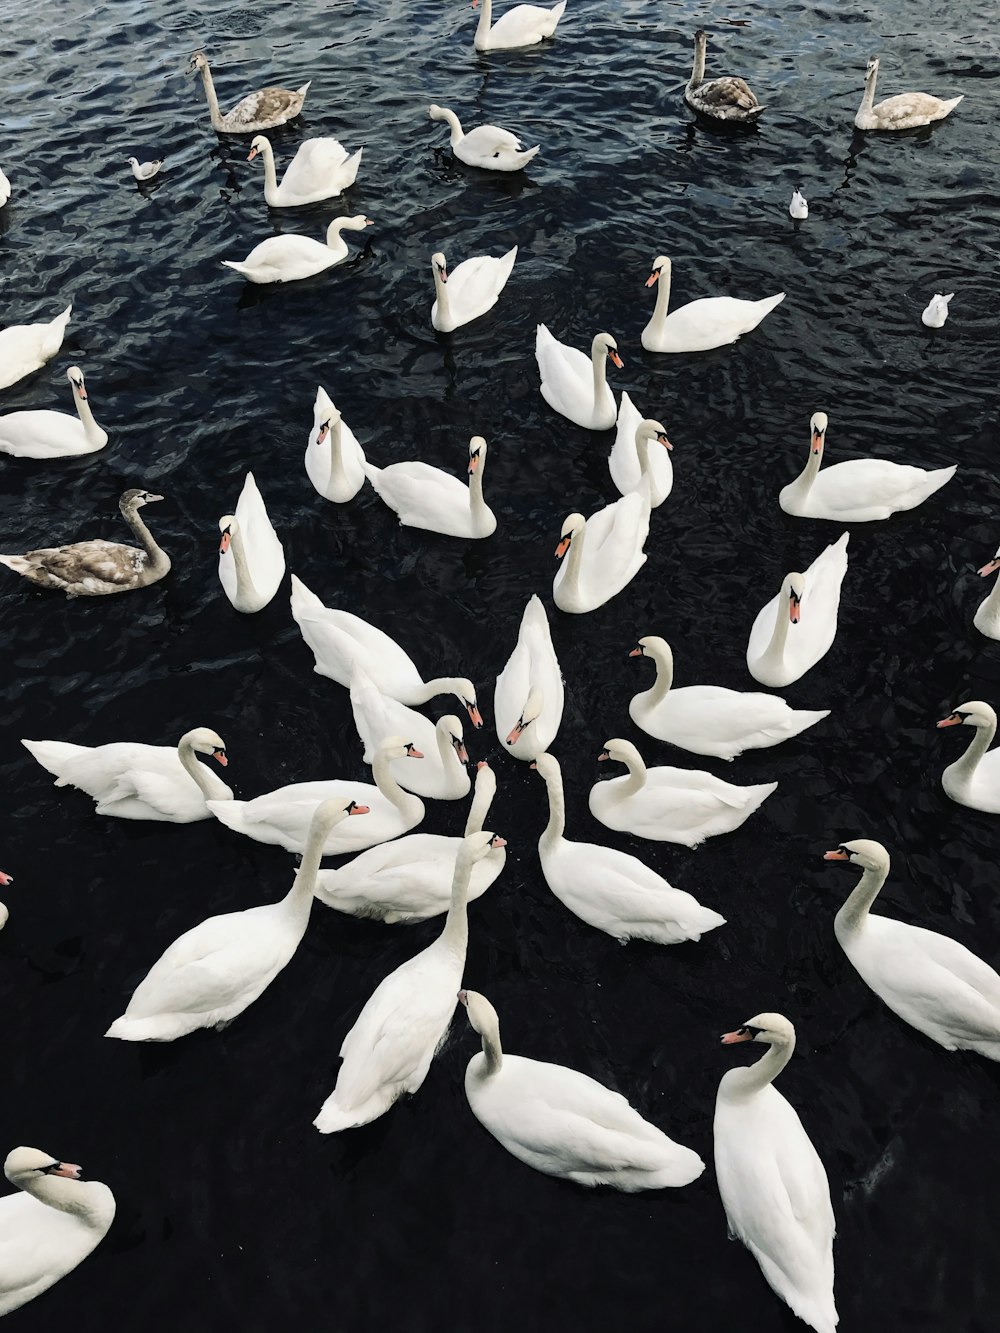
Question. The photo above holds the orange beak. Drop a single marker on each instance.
(413, 753)
(616, 358)
(462, 752)
(473, 464)
(533, 765)
(252, 154)
(563, 546)
(793, 609)
(731, 1038)
(653, 278)
(361, 810)
(220, 757)
(664, 441)
(991, 567)
(324, 431)
(952, 720)
(637, 652)
(603, 755)
(835, 856)
(817, 442)
(482, 764)
(516, 733)
(476, 717)
(224, 544)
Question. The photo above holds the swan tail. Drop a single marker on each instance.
(303, 599)
(17, 563)
(162, 1027)
(757, 795)
(304, 89)
(56, 331)
(236, 266)
(333, 1118)
(683, 1167)
(525, 157)
(940, 477)
(54, 755)
(769, 303)
(230, 813)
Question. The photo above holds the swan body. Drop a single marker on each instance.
(773, 1185)
(905, 111)
(575, 385)
(340, 640)
(251, 558)
(469, 290)
(44, 434)
(611, 890)
(283, 816)
(709, 719)
(726, 98)
(799, 207)
(631, 458)
(601, 554)
(987, 617)
(320, 169)
(410, 879)
(932, 982)
(809, 602)
(377, 716)
(290, 258)
(144, 171)
(861, 490)
(97, 568)
(974, 780)
(936, 311)
(5, 879)
(4, 189)
(214, 971)
(425, 497)
(671, 804)
(335, 462)
(263, 110)
(50, 1227)
(564, 1123)
(528, 698)
(389, 1049)
(712, 321)
(25, 348)
(524, 25)
(487, 146)
(133, 781)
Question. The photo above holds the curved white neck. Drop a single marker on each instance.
(556, 826)
(662, 295)
(299, 897)
(481, 802)
(574, 561)
(774, 653)
(478, 507)
(213, 101)
(600, 364)
(455, 935)
(335, 451)
(270, 175)
(492, 1050)
(664, 676)
(807, 476)
(441, 295)
(453, 121)
(158, 560)
(245, 590)
(91, 429)
(852, 915)
(636, 778)
(753, 1079)
(59, 1192)
(485, 20)
(980, 743)
(432, 688)
(194, 769)
(386, 782)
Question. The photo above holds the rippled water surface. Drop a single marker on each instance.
(232, 1210)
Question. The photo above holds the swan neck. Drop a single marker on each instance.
(477, 503)
(213, 101)
(270, 175)
(574, 560)
(194, 769)
(600, 364)
(245, 589)
(157, 559)
(481, 802)
(869, 97)
(853, 913)
(60, 1193)
(336, 450)
(556, 826)
(807, 476)
(441, 294)
(90, 427)
(455, 935)
(978, 746)
(775, 651)
(455, 125)
(664, 679)
(485, 20)
(301, 892)
(662, 297)
(757, 1077)
(492, 1050)
(636, 777)
(992, 599)
(386, 782)
(698, 70)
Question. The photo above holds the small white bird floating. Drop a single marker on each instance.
(290, 258)
(905, 111)
(262, 110)
(524, 25)
(25, 348)
(251, 558)
(145, 171)
(799, 207)
(335, 461)
(320, 169)
(42, 433)
(487, 146)
(936, 311)
(5, 189)
(469, 290)
(726, 98)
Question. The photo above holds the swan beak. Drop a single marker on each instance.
(497, 841)
(413, 753)
(637, 652)
(817, 442)
(473, 463)
(533, 765)
(359, 809)
(836, 856)
(220, 757)
(324, 431)
(516, 733)
(731, 1038)
(990, 568)
(67, 1169)
(252, 154)
(603, 755)
(463, 995)
(563, 546)
(442, 273)
(664, 441)
(461, 751)
(81, 391)
(653, 278)
(475, 717)
(6, 879)
(952, 720)
(616, 358)
(224, 544)
(793, 609)
(483, 763)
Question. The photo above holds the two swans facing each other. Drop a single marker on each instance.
(524, 25)
(291, 258)
(809, 603)
(320, 169)
(905, 111)
(25, 348)
(469, 290)
(575, 385)
(46, 434)
(265, 109)
(251, 558)
(425, 497)
(564, 1123)
(97, 568)
(487, 146)
(727, 98)
(711, 321)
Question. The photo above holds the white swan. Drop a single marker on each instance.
(133, 781)
(5, 880)
(611, 890)
(987, 617)
(50, 1227)
(773, 1185)
(905, 111)
(524, 25)
(799, 206)
(263, 110)
(282, 816)
(340, 640)
(709, 719)
(45, 434)
(4, 189)
(809, 602)
(290, 258)
(575, 385)
(936, 311)
(389, 1049)
(600, 554)
(860, 490)
(564, 1123)
(487, 146)
(671, 804)
(214, 971)
(528, 697)
(711, 321)
(320, 169)
(725, 98)
(469, 290)
(932, 982)
(25, 348)
(443, 774)
(410, 879)
(631, 459)
(335, 462)
(425, 497)
(144, 171)
(97, 568)
(974, 780)
(251, 558)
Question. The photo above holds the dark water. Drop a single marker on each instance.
(233, 1211)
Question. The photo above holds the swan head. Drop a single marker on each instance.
(75, 376)
(435, 112)
(477, 845)
(23, 1164)
(229, 527)
(548, 765)
(204, 740)
(605, 345)
(772, 1029)
(701, 38)
(793, 588)
(5, 879)
(449, 731)
(198, 62)
(135, 499)
(652, 430)
(356, 223)
(863, 852)
(328, 814)
(439, 265)
(482, 1015)
(991, 566)
(396, 747)
(651, 645)
(260, 143)
(621, 752)
(973, 714)
(574, 524)
(661, 267)
(818, 423)
(531, 710)
(477, 454)
(872, 69)
(486, 779)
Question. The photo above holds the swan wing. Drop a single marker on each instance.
(265, 554)
(874, 485)
(488, 140)
(378, 716)
(316, 161)
(615, 537)
(339, 639)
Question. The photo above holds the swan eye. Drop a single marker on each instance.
(47, 1170)
(845, 850)
(750, 1031)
